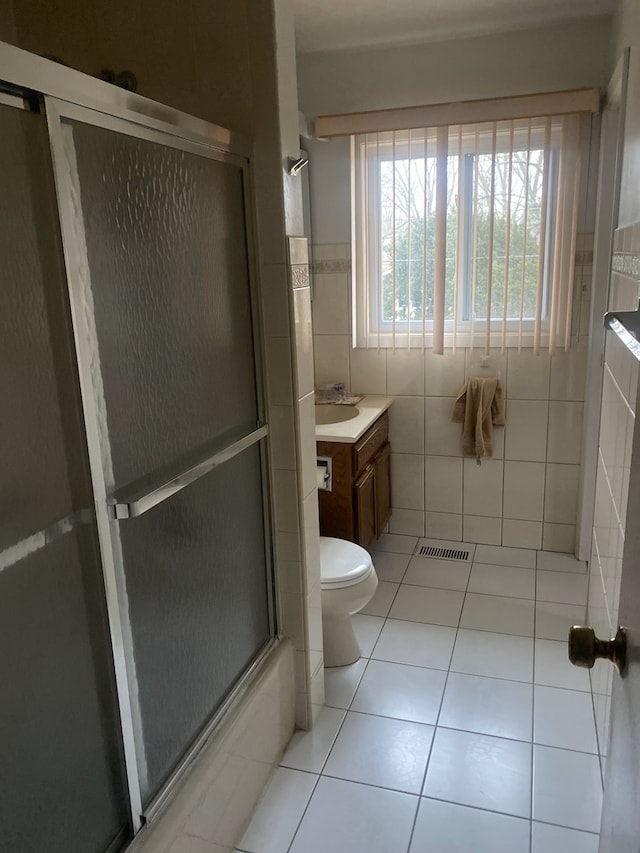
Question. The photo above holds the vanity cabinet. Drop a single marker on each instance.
(359, 504)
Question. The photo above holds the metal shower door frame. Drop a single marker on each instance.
(71, 95)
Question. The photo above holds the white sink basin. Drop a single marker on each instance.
(334, 413)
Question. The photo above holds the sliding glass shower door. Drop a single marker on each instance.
(156, 228)
(136, 587)
(62, 781)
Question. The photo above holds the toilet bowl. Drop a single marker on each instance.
(348, 582)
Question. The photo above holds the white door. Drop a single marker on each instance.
(621, 812)
(614, 594)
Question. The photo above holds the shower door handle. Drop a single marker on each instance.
(139, 503)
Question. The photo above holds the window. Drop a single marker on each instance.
(466, 234)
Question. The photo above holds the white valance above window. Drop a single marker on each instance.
(460, 112)
(465, 235)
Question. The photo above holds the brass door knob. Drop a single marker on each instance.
(585, 648)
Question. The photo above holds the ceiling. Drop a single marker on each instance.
(340, 24)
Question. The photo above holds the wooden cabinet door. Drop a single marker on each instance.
(337, 516)
(382, 464)
(364, 496)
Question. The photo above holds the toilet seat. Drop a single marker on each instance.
(342, 563)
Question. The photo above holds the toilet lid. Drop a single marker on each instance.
(342, 563)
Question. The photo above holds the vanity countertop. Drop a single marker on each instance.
(348, 432)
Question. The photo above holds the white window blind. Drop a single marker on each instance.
(466, 235)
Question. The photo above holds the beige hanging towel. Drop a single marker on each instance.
(478, 407)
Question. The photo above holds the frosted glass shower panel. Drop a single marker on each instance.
(198, 587)
(32, 411)
(62, 787)
(61, 777)
(166, 245)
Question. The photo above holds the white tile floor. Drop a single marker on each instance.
(462, 729)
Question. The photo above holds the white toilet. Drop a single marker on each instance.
(348, 582)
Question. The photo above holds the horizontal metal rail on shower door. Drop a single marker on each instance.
(140, 503)
(626, 325)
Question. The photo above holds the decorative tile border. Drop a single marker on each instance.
(299, 275)
(343, 265)
(626, 264)
(338, 265)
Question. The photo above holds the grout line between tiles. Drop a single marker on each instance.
(318, 779)
(371, 785)
(304, 811)
(480, 809)
(464, 627)
(530, 821)
(392, 603)
(504, 464)
(414, 665)
(563, 826)
(415, 817)
(503, 595)
(475, 808)
(420, 797)
(424, 776)
(533, 696)
(444, 690)
(599, 746)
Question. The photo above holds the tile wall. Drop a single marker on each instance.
(527, 495)
(288, 345)
(307, 636)
(288, 349)
(612, 485)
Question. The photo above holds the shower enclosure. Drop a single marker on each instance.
(136, 588)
